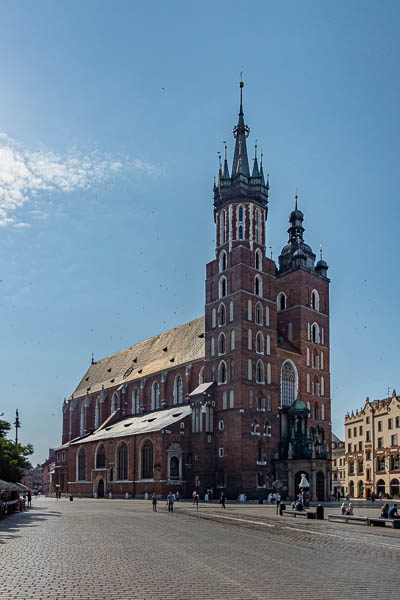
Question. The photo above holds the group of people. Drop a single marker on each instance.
(346, 510)
(389, 512)
(174, 497)
(274, 498)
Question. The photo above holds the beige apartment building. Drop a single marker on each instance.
(372, 451)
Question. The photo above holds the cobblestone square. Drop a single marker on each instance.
(109, 549)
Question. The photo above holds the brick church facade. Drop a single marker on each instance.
(231, 401)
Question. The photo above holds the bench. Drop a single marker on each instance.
(348, 519)
(308, 514)
(378, 522)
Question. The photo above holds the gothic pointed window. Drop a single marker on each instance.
(213, 318)
(260, 372)
(224, 401)
(97, 413)
(122, 461)
(232, 339)
(81, 465)
(315, 333)
(221, 315)
(212, 346)
(259, 314)
(100, 457)
(269, 373)
(147, 460)
(222, 287)
(281, 301)
(83, 419)
(231, 399)
(288, 384)
(114, 402)
(135, 401)
(258, 259)
(155, 396)
(268, 351)
(222, 261)
(315, 300)
(249, 310)
(259, 343)
(240, 232)
(240, 214)
(258, 227)
(222, 372)
(178, 390)
(232, 370)
(249, 369)
(251, 399)
(249, 341)
(221, 344)
(258, 286)
(231, 310)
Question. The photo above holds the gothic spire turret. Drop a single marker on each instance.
(240, 164)
(226, 168)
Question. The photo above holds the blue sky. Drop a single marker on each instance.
(111, 117)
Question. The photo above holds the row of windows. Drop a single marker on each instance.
(240, 226)
(260, 318)
(315, 360)
(223, 260)
(314, 386)
(390, 423)
(155, 402)
(380, 463)
(223, 286)
(121, 458)
(282, 301)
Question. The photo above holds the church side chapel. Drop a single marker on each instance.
(231, 401)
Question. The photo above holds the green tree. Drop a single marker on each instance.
(13, 457)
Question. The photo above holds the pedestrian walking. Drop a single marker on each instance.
(278, 501)
(222, 500)
(177, 496)
(196, 500)
(29, 499)
(194, 496)
(170, 502)
(154, 502)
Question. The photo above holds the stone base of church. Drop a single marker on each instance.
(317, 471)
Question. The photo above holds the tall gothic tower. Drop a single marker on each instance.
(265, 328)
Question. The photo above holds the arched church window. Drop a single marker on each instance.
(231, 310)
(222, 261)
(114, 402)
(315, 300)
(258, 286)
(155, 395)
(213, 318)
(221, 344)
(240, 232)
(268, 345)
(221, 315)
(222, 287)
(178, 390)
(122, 461)
(315, 333)
(97, 413)
(249, 310)
(259, 343)
(232, 370)
(281, 301)
(288, 384)
(249, 369)
(81, 465)
(258, 259)
(232, 339)
(100, 457)
(267, 316)
(249, 340)
(231, 399)
(222, 372)
(260, 372)
(135, 401)
(174, 467)
(259, 313)
(258, 226)
(147, 460)
(240, 214)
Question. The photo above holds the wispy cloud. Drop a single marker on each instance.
(26, 173)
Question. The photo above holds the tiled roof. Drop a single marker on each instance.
(153, 421)
(168, 350)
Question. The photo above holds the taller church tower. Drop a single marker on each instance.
(263, 326)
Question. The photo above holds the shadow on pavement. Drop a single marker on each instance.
(10, 525)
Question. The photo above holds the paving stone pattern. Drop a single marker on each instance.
(108, 549)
